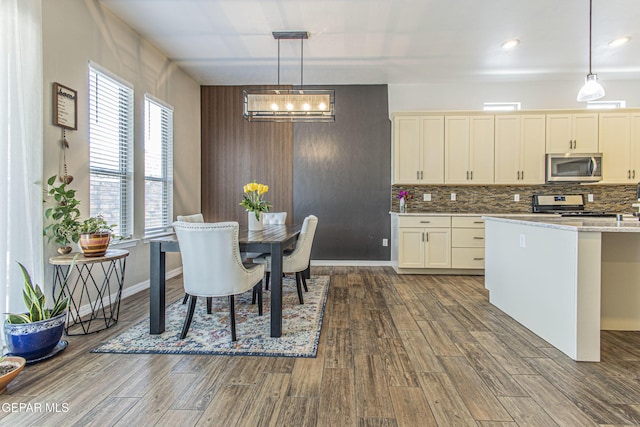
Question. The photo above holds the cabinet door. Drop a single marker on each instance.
(438, 247)
(481, 149)
(432, 169)
(532, 145)
(559, 133)
(585, 133)
(507, 149)
(635, 146)
(614, 136)
(411, 247)
(456, 136)
(406, 150)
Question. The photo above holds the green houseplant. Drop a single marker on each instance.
(63, 215)
(36, 332)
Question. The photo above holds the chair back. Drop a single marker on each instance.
(299, 259)
(274, 218)
(191, 218)
(211, 260)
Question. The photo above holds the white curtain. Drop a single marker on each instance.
(21, 128)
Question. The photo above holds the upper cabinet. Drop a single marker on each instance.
(572, 133)
(619, 136)
(469, 144)
(418, 153)
(519, 149)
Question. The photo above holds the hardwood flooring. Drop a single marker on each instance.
(394, 351)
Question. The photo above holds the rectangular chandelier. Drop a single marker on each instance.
(289, 105)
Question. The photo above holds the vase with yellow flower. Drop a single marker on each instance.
(253, 201)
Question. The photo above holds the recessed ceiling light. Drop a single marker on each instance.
(510, 44)
(619, 41)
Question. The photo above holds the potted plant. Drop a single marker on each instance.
(253, 202)
(35, 334)
(10, 367)
(63, 215)
(95, 235)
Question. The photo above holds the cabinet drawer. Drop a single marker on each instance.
(424, 221)
(467, 238)
(467, 258)
(467, 222)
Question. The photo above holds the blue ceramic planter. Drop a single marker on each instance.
(34, 340)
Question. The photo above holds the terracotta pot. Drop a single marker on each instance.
(15, 361)
(94, 244)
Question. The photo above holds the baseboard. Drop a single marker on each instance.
(350, 263)
(129, 291)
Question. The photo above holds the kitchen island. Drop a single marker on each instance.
(565, 279)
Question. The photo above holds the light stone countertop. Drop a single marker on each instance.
(468, 214)
(629, 224)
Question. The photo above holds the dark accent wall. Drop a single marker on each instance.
(341, 173)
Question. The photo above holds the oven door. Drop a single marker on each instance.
(574, 167)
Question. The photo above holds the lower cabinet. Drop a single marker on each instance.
(442, 244)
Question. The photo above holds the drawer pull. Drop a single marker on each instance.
(478, 238)
(478, 259)
(478, 222)
(425, 222)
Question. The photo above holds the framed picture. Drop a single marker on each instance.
(65, 107)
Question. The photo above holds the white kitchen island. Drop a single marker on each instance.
(565, 279)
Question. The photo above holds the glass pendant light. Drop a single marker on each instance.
(591, 90)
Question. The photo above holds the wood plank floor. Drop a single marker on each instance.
(394, 351)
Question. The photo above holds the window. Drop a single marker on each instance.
(501, 106)
(158, 166)
(111, 149)
(608, 105)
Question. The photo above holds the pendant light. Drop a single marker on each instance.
(591, 90)
(289, 105)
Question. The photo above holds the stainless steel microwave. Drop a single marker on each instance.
(574, 167)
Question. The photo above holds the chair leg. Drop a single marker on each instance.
(232, 316)
(257, 289)
(187, 320)
(304, 281)
(209, 304)
(299, 287)
(186, 297)
(266, 280)
(254, 293)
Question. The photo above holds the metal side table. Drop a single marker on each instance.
(91, 290)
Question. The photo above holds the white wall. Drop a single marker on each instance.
(76, 32)
(532, 95)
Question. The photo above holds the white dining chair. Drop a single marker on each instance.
(198, 218)
(274, 218)
(298, 260)
(212, 267)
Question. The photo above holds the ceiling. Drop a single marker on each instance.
(229, 42)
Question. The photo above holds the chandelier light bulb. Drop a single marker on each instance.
(289, 106)
(306, 106)
(322, 106)
(274, 107)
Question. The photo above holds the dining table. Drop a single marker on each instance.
(272, 240)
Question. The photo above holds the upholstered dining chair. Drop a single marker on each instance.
(276, 218)
(197, 217)
(298, 260)
(212, 267)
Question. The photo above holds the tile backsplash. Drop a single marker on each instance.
(500, 198)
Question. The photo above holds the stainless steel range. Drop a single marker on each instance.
(565, 205)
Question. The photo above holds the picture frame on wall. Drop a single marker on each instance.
(65, 107)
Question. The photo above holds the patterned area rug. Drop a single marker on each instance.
(211, 333)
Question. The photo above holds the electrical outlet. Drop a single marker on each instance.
(516, 197)
(523, 242)
(427, 197)
(589, 197)
(453, 197)
(385, 242)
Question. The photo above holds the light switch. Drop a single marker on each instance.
(427, 197)
(453, 197)
(516, 197)
(589, 197)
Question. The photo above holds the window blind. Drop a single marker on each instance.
(111, 149)
(158, 166)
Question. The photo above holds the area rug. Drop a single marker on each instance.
(211, 333)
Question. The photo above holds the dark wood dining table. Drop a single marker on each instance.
(273, 240)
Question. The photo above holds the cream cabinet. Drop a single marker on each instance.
(467, 242)
(572, 133)
(418, 149)
(619, 137)
(519, 149)
(469, 149)
(424, 242)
